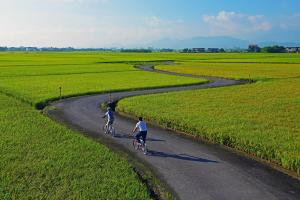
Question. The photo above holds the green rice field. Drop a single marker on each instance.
(41, 159)
(40, 82)
(254, 71)
(261, 119)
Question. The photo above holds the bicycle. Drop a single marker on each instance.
(109, 129)
(140, 145)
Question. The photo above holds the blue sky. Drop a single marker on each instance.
(137, 23)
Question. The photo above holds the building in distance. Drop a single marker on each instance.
(293, 49)
(254, 48)
(213, 50)
(198, 50)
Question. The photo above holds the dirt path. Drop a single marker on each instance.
(194, 170)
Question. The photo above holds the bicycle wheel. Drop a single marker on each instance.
(113, 131)
(105, 129)
(135, 144)
(144, 148)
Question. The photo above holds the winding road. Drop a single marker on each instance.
(193, 170)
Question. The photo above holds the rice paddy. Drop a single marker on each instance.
(41, 159)
(261, 119)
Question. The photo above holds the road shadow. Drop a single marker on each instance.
(127, 136)
(179, 157)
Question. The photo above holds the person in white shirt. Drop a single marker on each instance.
(110, 118)
(142, 127)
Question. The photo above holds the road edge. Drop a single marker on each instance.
(194, 138)
(158, 189)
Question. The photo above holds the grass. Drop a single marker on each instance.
(76, 58)
(37, 84)
(43, 160)
(261, 119)
(38, 89)
(255, 71)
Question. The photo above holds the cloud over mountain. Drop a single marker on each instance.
(235, 24)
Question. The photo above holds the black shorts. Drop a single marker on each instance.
(110, 122)
(141, 134)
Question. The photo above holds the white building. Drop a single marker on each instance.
(293, 49)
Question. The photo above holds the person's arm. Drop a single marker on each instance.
(134, 130)
(136, 126)
(105, 115)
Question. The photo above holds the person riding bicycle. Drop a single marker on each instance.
(142, 126)
(110, 117)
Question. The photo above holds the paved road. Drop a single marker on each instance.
(193, 170)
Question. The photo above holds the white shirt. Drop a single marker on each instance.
(110, 115)
(141, 125)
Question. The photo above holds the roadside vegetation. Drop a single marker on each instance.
(254, 71)
(261, 119)
(41, 159)
(39, 81)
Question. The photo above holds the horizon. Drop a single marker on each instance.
(140, 23)
(139, 48)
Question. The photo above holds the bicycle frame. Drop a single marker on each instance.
(140, 145)
(109, 129)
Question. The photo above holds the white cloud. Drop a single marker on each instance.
(235, 24)
(88, 31)
(291, 22)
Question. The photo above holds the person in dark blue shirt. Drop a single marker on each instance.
(110, 118)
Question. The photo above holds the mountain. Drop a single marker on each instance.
(285, 44)
(201, 42)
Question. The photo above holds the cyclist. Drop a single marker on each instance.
(110, 118)
(142, 126)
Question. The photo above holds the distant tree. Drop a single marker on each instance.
(222, 50)
(254, 48)
(3, 48)
(274, 49)
(166, 50)
(136, 50)
(186, 50)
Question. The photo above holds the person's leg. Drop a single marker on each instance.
(107, 127)
(144, 136)
(110, 126)
(138, 136)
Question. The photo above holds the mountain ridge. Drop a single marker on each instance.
(214, 42)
